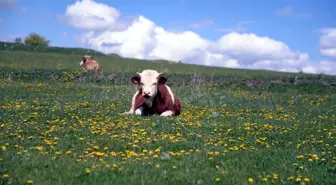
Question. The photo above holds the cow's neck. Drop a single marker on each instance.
(149, 101)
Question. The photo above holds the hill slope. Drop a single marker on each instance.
(9, 46)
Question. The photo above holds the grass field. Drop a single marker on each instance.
(62, 126)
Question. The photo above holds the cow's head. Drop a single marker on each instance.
(148, 81)
(85, 58)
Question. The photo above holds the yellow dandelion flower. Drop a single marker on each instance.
(217, 179)
(306, 179)
(87, 170)
(40, 148)
(275, 176)
(298, 179)
(3, 148)
(299, 156)
(174, 167)
(30, 181)
(5, 175)
(157, 166)
(250, 180)
(99, 154)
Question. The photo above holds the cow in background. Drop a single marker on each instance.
(88, 63)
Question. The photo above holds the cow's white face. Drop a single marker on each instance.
(84, 59)
(148, 81)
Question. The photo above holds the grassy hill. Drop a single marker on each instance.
(60, 125)
(9, 46)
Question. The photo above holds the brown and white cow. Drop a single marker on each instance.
(153, 96)
(88, 63)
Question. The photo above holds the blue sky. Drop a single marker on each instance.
(295, 23)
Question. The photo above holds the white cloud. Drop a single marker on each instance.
(88, 14)
(247, 47)
(141, 38)
(328, 42)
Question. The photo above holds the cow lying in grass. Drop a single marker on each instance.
(153, 96)
(88, 63)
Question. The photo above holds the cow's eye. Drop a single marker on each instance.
(154, 83)
(141, 83)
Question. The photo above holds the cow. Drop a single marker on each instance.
(88, 64)
(153, 96)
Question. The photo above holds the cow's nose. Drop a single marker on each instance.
(146, 92)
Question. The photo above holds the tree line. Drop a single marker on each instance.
(33, 39)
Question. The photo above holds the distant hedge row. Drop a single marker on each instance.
(9, 46)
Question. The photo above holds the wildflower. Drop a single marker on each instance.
(157, 166)
(275, 176)
(30, 181)
(217, 179)
(298, 179)
(3, 148)
(250, 180)
(299, 156)
(87, 170)
(174, 167)
(5, 175)
(99, 154)
(40, 148)
(306, 179)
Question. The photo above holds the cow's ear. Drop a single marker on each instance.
(136, 79)
(161, 79)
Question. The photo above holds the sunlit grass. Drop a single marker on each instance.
(68, 131)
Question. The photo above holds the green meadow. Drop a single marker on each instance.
(61, 125)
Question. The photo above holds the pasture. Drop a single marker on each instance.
(60, 125)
